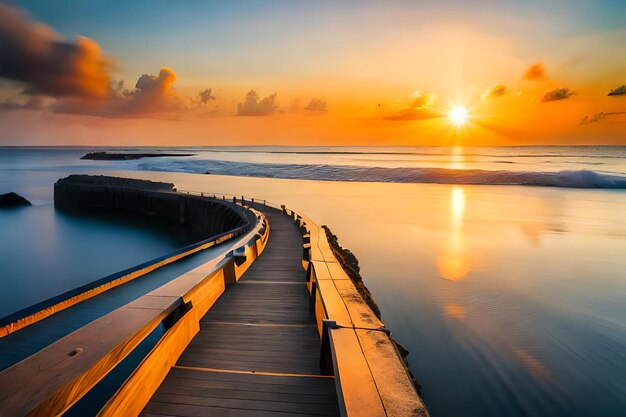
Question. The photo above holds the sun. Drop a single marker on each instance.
(458, 116)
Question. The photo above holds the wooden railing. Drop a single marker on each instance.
(46, 308)
(49, 382)
(371, 376)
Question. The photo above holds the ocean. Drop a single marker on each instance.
(500, 269)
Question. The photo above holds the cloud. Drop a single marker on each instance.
(154, 93)
(294, 106)
(35, 55)
(76, 74)
(618, 91)
(535, 72)
(33, 103)
(317, 105)
(496, 91)
(599, 117)
(418, 109)
(252, 106)
(205, 96)
(557, 94)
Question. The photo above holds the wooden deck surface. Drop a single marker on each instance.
(257, 352)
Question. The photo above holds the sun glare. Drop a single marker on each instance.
(458, 116)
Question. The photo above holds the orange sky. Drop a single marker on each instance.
(377, 75)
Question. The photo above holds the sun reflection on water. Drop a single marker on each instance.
(457, 160)
(452, 260)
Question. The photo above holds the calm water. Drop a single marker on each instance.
(44, 252)
(511, 299)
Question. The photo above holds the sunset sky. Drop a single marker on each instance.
(312, 72)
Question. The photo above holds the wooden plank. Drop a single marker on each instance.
(395, 386)
(247, 391)
(207, 286)
(64, 371)
(336, 271)
(358, 390)
(74, 364)
(248, 404)
(262, 324)
(334, 305)
(371, 376)
(307, 398)
(133, 395)
(88, 294)
(361, 314)
(185, 410)
(319, 385)
(322, 271)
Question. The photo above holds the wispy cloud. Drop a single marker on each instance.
(535, 72)
(557, 94)
(618, 91)
(317, 105)
(599, 117)
(496, 91)
(206, 95)
(420, 108)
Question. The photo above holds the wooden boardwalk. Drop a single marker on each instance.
(257, 352)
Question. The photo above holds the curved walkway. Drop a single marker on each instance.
(257, 352)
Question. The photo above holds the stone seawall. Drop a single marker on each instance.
(155, 199)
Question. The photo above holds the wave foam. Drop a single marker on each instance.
(568, 179)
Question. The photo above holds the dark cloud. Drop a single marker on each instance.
(557, 94)
(419, 109)
(205, 96)
(618, 91)
(317, 105)
(496, 91)
(252, 106)
(33, 103)
(76, 74)
(535, 72)
(35, 55)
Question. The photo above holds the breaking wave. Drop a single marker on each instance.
(567, 179)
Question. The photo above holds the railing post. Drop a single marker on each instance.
(313, 296)
(252, 202)
(234, 200)
(306, 251)
(326, 355)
